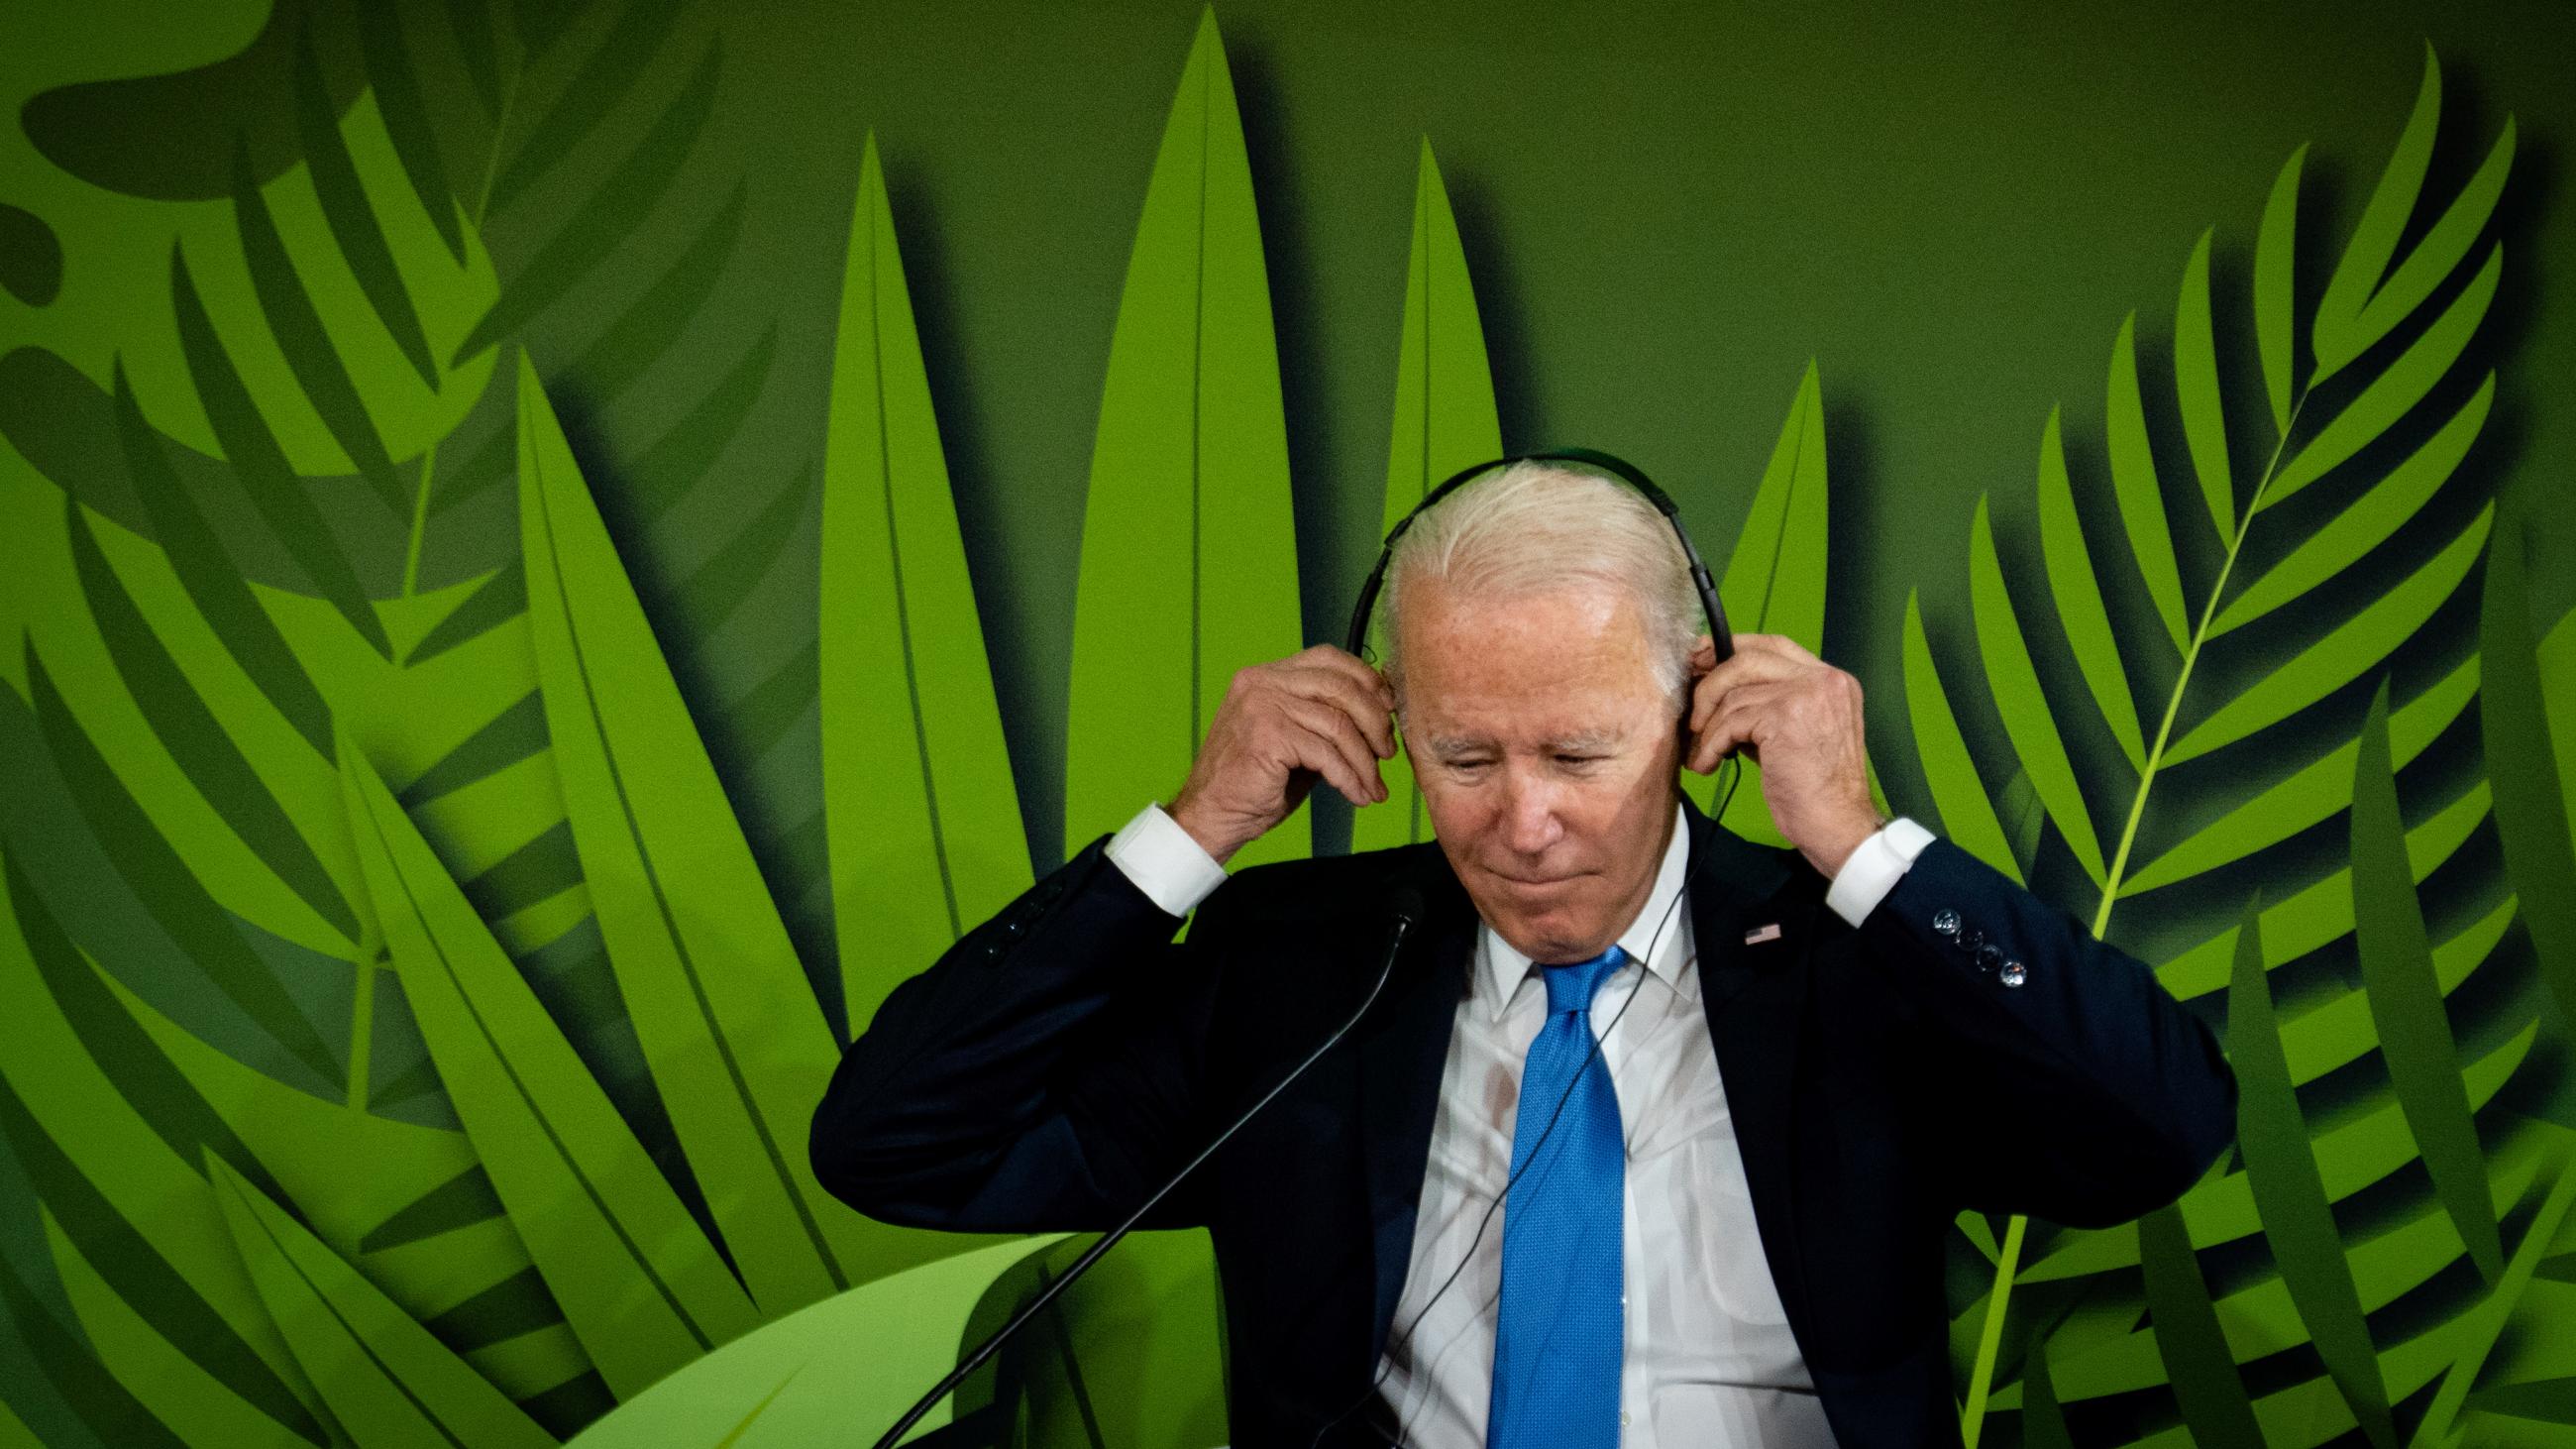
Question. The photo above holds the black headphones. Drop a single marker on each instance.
(1719, 635)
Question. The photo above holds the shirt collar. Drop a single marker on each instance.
(1505, 967)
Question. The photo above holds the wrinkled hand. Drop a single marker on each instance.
(1799, 719)
(1321, 713)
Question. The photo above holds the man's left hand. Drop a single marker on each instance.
(1799, 719)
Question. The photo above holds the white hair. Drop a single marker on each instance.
(1539, 527)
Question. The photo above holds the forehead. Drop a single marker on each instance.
(1569, 666)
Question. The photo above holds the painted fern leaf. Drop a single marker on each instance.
(2389, 334)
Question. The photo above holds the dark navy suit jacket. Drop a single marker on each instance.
(1064, 1058)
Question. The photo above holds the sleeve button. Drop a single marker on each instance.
(2015, 973)
(1946, 921)
(1988, 955)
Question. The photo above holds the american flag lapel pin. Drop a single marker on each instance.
(1760, 934)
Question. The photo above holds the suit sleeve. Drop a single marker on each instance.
(2074, 1088)
(1045, 1074)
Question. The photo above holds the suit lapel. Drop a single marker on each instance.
(1403, 1047)
(1754, 996)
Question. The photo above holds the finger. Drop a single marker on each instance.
(1346, 760)
(1743, 668)
(1780, 646)
(1343, 663)
(1741, 721)
(1366, 707)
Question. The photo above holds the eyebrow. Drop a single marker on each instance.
(1450, 747)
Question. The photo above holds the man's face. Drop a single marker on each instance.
(1546, 757)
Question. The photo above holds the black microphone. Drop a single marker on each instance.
(1405, 904)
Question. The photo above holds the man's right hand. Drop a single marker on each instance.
(1321, 713)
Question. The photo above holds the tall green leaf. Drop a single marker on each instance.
(727, 1020)
(638, 1281)
(1189, 559)
(1775, 579)
(922, 815)
(1445, 420)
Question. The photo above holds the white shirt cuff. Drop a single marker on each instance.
(1873, 869)
(1173, 870)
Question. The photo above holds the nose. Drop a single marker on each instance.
(1529, 820)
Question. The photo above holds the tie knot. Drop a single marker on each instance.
(1570, 987)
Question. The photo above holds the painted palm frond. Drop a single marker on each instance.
(1189, 555)
(1444, 421)
(919, 804)
(2388, 337)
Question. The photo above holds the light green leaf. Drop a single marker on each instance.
(638, 1281)
(2204, 417)
(1965, 812)
(2133, 483)
(2393, 393)
(2314, 793)
(2357, 644)
(2367, 521)
(2290, 1191)
(1444, 421)
(921, 814)
(2014, 683)
(719, 1001)
(842, 1369)
(1189, 560)
(2078, 592)
(387, 1380)
(2275, 330)
(1775, 580)
(2406, 1000)
(2337, 336)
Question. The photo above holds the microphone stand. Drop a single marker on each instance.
(1408, 908)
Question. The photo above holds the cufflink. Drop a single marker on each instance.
(1760, 934)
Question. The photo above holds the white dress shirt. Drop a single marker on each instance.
(1708, 1358)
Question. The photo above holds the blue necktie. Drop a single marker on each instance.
(1558, 1333)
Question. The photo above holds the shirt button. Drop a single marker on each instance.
(1623, 1418)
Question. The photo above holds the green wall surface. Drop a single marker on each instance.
(553, 551)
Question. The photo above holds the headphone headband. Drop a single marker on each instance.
(1719, 635)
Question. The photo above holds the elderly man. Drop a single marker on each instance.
(1653, 1137)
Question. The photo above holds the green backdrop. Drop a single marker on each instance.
(556, 549)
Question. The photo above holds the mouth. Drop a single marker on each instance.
(1534, 883)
